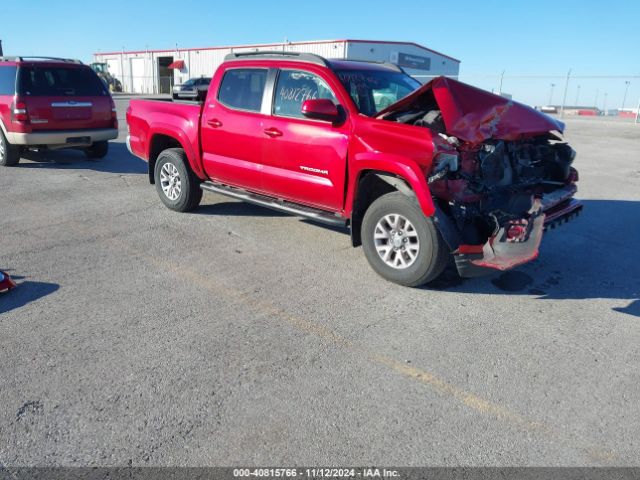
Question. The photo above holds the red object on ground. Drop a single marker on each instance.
(6, 283)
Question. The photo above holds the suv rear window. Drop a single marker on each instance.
(7, 80)
(243, 88)
(45, 81)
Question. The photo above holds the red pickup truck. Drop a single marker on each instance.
(418, 173)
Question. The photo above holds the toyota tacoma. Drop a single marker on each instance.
(418, 173)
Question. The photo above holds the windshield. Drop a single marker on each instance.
(374, 90)
(43, 80)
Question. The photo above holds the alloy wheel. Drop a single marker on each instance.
(396, 241)
(170, 181)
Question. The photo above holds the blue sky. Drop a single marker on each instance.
(541, 38)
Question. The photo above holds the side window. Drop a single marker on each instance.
(8, 80)
(294, 87)
(243, 88)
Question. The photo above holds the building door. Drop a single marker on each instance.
(137, 75)
(165, 75)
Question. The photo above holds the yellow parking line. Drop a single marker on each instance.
(439, 385)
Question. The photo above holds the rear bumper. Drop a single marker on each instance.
(128, 143)
(63, 138)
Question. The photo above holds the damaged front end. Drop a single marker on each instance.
(501, 173)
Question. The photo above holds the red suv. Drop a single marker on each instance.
(53, 103)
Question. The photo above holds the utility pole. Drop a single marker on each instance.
(626, 89)
(124, 88)
(501, 79)
(604, 105)
(577, 96)
(564, 96)
(551, 93)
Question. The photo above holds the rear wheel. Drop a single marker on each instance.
(9, 154)
(97, 150)
(178, 187)
(400, 243)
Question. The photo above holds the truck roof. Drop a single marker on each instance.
(333, 63)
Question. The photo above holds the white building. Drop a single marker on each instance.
(154, 71)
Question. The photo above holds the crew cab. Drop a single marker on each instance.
(418, 173)
(53, 103)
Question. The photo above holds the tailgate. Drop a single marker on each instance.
(68, 113)
(64, 97)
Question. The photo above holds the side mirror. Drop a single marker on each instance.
(321, 109)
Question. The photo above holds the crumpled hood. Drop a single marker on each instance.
(474, 115)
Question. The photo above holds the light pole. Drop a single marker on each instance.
(564, 96)
(626, 89)
(551, 93)
(577, 95)
(604, 105)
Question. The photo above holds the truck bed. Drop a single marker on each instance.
(178, 119)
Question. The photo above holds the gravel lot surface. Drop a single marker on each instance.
(236, 335)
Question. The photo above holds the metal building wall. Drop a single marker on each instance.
(387, 52)
(203, 62)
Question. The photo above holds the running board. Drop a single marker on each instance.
(276, 204)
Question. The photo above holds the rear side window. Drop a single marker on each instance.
(44, 81)
(8, 80)
(243, 88)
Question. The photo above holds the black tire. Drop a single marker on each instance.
(175, 96)
(97, 150)
(9, 154)
(189, 194)
(432, 254)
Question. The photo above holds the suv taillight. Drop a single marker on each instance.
(114, 114)
(19, 112)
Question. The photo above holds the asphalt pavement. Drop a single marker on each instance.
(236, 335)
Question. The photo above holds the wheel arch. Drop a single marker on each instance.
(380, 179)
(161, 139)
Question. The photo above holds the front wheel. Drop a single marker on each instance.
(400, 243)
(178, 187)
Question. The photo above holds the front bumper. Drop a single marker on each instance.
(63, 138)
(501, 252)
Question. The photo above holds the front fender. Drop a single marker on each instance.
(403, 167)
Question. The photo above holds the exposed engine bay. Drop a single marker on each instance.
(484, 183)
(500, 181)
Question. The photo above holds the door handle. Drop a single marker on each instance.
(214, 122)
(273, 132)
